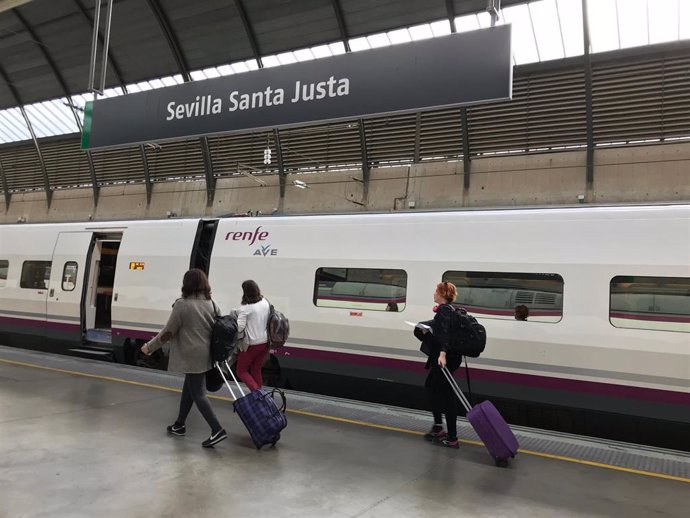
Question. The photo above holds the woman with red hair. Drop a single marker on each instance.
(439, 390)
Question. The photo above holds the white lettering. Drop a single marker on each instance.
(199, 107)
(268, 97)
(320, 90)
(233, 101)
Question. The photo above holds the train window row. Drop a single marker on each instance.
(36, 274)
(658, 303)
(636, 302)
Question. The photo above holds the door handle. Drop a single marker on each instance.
(115, 298)
(52, 292)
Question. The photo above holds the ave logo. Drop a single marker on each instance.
(265, 250)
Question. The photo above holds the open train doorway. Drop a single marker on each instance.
(99, 294)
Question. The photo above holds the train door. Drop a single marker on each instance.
(97, 307)
(203, 245)
(66, 285)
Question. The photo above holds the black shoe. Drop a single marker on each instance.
(215, 438)
(436, 434)
(177, 429)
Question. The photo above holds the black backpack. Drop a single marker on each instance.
(468, 337)
(277, 328)
(223, 336)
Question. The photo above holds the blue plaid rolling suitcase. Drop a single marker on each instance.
(259, 412)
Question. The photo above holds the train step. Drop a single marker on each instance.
(99, 336)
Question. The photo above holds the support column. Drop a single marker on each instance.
(282, 177)
(366, 168)
(5, 188)
(147, 174)
(467, 163)
(588, 99)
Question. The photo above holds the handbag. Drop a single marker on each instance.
(214, 381)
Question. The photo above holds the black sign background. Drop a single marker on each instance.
(457, 69)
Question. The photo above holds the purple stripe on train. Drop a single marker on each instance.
(513, 378)
(39, 324)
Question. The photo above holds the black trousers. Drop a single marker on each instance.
(194, 391)
(442, 398)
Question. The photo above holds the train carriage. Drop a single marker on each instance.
(605, 349)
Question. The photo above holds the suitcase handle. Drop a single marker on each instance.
(217, 364)
(282, 396)
(456, 389)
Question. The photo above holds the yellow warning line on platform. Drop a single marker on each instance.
(358, 423)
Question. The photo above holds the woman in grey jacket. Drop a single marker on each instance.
(189, 332)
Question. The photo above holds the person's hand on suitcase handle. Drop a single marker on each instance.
(442, 359)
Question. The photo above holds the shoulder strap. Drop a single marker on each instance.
(216, 310)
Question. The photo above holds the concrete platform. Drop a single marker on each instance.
(78, 445)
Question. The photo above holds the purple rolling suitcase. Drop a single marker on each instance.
(259, 412)
(490, 426)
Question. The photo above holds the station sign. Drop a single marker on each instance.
(453, 70)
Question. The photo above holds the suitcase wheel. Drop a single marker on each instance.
(501, 463)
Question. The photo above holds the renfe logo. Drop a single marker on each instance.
(252, 237)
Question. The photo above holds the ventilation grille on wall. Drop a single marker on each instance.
(643, 101)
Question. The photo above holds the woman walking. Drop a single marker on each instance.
(189, 332)
(440, 393)
(252, 318)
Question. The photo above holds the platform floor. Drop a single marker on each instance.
(84, 445)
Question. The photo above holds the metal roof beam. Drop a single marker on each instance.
(171, 38)
(61, 81)
(450, 9)
(176, 49)
(251, 35)
(341, 23)
(20, 105)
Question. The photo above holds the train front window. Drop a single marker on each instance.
(657, 303)
(361, 288)
(35, 275)
(534, 297)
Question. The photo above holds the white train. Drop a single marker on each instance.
(605, 350)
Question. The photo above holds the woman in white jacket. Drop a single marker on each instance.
(252, 318)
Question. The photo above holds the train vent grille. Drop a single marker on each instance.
(524, 297)
(545, 298)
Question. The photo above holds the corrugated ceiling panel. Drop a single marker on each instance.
(115, 166)
(22, 169)
(546, 110)
(646, 100)
(246, 152)
(391, 139)
(176, 161)
(321, 147)
(440, 135)
(66, 164)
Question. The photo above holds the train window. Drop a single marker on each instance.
(69, 276)
(376, 289)
(536, 297)
(35, 275)
(659, 303)
(4, 266)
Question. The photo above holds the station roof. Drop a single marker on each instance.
(45, 44)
